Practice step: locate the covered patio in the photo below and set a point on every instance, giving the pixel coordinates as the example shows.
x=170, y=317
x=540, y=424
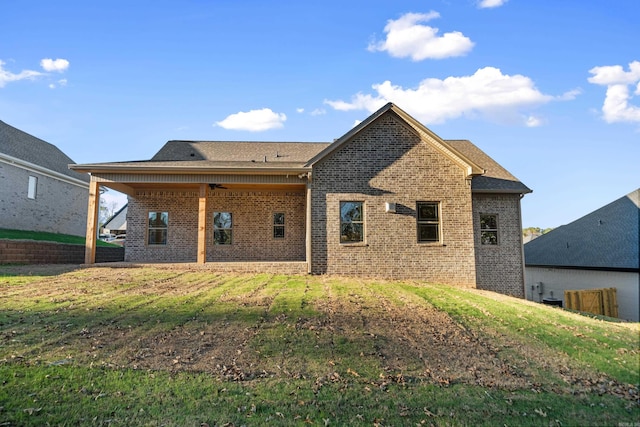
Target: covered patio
x=267, y=202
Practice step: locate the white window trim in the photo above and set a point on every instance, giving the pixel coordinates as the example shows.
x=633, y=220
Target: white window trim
x=32, y=190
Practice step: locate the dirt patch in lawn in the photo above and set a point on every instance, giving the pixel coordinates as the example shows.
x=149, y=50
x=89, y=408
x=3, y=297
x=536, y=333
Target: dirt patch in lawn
x=356, y=335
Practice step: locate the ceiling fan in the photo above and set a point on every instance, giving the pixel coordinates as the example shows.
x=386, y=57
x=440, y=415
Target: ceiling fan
x=214, y=186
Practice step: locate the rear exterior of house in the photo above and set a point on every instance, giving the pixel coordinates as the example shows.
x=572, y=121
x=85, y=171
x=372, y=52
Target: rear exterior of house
x=389, y=163
x=251, y=228
x=389, y=199
x=38, y=192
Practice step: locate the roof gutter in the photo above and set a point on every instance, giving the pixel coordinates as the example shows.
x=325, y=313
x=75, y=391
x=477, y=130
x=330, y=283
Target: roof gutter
x=590, y=268
x=172, y=170
x=503, y=191
x=10, y=160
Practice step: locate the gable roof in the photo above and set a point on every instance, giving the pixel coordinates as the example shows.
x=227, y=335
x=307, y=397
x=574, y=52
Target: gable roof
x=425, y=134
x=607, y=239
x=487, y=175
x=196, y=157
x=21, y=148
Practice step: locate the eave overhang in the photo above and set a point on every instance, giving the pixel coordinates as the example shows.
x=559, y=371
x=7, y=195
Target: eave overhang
x=187, y=170
x=10, y=160
x=524, y=190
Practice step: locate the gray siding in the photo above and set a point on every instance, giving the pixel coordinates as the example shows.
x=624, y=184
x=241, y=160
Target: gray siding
x=59, y=206
x=557, y=280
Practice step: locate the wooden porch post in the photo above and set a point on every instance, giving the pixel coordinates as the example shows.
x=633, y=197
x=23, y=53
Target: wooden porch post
x=308, y=228
x=92, y=223
x=202, y=224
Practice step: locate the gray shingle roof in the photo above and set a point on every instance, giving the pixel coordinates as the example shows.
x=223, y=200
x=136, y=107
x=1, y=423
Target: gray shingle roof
x=21, y=145
x=204, y=156
x=214, y=156
x=225, y=151
x=496, y=178
x=607, y=238
x=118, y=220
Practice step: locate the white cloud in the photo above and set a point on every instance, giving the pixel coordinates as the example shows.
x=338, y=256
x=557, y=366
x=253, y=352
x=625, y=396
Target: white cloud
x=406, y=37
x=533, y=121
x=570, y=95
x=358, y=102
x=318, y=112
x=58, y=65
x=8, y=77
x=487, y=92
x=486, y=4
x=616, y=107
x=61, y=82
x=300, y=110
x=254, y=120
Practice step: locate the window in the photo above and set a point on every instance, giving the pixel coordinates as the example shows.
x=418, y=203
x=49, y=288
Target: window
x=489, y=229
x=278, y=225
x=351, y=222
x=33, y=185
x=222, y=228
x=158, y=226
x=428, y=218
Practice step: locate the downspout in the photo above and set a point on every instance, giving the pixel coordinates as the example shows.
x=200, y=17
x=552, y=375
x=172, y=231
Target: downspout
x=308, y=225
x=524, y=286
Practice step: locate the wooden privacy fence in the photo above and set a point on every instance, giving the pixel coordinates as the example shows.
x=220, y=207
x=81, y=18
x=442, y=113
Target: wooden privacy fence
x=596, y=301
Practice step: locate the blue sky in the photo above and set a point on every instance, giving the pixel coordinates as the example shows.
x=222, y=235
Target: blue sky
x=550, y=89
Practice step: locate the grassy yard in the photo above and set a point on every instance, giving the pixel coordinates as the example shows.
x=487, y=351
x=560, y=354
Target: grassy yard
x=183, y=346
x=6, y=233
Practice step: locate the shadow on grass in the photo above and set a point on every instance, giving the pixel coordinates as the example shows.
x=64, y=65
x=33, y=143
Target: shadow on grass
x=41, y=270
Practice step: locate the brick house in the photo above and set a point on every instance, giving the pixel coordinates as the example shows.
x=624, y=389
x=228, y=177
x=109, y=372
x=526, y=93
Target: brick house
x=38, y=192
x=388, y=199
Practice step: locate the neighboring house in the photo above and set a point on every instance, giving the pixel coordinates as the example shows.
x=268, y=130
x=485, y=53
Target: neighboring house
x=38, y=192
x=388, y=199
x=599, y=250
x=117, y=224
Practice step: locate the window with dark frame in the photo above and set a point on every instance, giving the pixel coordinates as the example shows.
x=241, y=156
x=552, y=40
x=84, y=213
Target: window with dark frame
x=222, y=228
x=278, y=225
x=351, y=222
x=158, y=228
x=428, y=221
x=489, y=229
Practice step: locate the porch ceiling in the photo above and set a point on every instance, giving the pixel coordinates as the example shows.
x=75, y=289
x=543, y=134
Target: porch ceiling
x=131, y=188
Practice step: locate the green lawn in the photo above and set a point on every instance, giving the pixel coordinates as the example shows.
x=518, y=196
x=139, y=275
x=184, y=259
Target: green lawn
x=44, y=236
x=184, y=346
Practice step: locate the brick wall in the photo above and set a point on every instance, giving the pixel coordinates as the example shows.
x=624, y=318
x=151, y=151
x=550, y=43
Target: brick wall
x=388, y=162
x=32, y=252
x=500, y=267
x=59, y=207
x=252, y=226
